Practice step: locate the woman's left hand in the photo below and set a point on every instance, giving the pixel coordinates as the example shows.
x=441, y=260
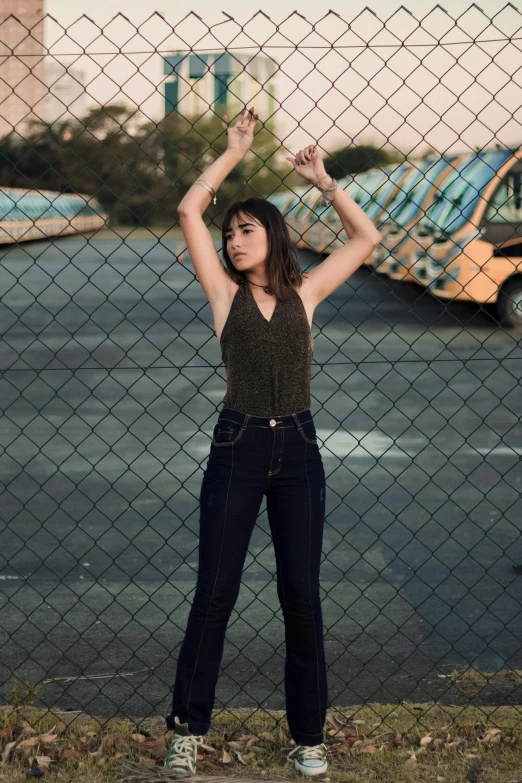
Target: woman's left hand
x=309, y=163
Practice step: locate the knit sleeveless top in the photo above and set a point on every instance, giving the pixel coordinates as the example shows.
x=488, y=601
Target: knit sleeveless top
x=268, y=363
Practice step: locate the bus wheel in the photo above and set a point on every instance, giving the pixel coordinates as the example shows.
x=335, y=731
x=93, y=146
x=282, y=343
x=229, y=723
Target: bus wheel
x=509, y=304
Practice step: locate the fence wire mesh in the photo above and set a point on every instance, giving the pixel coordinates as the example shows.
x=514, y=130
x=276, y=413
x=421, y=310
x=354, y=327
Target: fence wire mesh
x=111, y=376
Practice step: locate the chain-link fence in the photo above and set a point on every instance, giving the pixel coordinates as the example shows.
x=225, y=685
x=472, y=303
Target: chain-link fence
x=111, y=374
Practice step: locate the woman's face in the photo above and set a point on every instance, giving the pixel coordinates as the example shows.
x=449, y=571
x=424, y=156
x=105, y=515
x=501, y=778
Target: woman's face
x=247, y=243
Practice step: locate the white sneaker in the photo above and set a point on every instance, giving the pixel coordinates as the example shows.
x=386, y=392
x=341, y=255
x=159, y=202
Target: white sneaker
x=183, y=749
x=309, y=759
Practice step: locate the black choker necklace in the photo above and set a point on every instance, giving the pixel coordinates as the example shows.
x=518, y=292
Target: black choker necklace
x=265, y=288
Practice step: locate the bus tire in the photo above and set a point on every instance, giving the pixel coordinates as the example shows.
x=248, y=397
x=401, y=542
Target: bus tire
x=509, y=304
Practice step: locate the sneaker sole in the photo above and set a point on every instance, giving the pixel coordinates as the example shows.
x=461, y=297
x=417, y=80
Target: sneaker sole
x=180, y=770
x=310, y=771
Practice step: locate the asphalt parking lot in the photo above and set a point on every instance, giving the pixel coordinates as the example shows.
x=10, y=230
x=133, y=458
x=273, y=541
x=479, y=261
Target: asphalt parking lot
x=111, y=382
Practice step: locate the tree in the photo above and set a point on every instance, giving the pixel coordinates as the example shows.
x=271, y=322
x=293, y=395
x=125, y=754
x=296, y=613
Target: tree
x=137, y=168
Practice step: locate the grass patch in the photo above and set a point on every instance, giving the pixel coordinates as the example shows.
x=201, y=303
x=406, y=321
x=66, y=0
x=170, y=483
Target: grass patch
x=411, y=743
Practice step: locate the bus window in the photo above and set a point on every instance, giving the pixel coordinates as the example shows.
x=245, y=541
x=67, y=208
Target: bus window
x=506, y=204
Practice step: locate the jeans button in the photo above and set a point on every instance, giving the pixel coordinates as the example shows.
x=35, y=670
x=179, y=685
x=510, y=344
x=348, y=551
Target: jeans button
x=272, y=422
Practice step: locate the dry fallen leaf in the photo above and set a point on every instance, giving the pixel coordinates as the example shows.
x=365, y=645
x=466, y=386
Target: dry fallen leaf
x=29, y=743
x=426, y=740
x=44, y=762
x=334, y=721
x=49, y=738
x=208, y=748
x=158, y=752
x=227, y=758
x=361, y=722
x=72, y=753
x=7, y=752
x=491, y=736
x=348, y=743
x=370, y=749
x=138, y=737
x=120, y=739
x=8, y=730
x=153, y=743
x=267, y=736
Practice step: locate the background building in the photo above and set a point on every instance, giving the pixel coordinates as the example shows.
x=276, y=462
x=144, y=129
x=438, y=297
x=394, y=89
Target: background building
x=22, y=73
x=67, y=96
x=221, y=81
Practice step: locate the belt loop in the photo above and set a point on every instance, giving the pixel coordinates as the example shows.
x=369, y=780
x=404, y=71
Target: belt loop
x=296, y=420
x=245, y=421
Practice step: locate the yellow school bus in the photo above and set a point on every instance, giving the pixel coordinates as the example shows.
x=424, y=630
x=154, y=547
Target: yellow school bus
x=452, y=224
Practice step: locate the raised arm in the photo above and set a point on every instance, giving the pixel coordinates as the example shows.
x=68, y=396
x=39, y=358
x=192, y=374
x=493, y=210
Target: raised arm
x=210, y=271
x=363, y=236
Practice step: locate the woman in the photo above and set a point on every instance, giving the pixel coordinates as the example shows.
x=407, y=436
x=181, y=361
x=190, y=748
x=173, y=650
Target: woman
x=264, y=442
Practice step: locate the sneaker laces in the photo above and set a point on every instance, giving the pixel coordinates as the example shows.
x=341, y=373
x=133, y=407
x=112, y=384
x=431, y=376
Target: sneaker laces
x=310, y=751
x=182, y=749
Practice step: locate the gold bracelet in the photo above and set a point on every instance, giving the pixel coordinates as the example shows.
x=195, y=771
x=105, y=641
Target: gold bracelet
x=207, y=186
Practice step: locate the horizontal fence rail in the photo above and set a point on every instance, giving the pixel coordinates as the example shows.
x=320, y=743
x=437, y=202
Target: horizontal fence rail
x=111, y=375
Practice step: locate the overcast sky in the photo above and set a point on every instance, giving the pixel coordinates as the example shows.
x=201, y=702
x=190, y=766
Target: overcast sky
x=458, y=95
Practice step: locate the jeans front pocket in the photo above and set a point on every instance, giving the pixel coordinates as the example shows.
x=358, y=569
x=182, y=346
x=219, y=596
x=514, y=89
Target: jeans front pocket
x=307, y=431
x=226, y=433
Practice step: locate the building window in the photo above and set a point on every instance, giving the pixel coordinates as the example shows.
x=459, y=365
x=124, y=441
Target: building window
x=171, y=96
x=221, y=82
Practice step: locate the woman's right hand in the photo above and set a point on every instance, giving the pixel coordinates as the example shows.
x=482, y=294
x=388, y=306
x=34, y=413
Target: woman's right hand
x=241, y=135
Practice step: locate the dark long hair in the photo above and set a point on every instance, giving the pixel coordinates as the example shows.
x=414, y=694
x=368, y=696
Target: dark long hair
x=282, y=267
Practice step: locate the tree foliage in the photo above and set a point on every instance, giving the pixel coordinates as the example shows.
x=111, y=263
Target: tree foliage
x=140, y=170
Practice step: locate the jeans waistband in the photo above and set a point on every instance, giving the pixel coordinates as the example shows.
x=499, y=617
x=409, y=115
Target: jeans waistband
x=246, y=419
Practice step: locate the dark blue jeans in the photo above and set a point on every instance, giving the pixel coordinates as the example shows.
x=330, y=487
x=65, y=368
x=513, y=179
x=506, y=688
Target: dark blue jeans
x=252, y=456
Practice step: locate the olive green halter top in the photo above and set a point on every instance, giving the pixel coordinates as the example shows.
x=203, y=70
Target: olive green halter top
x=268, y=363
